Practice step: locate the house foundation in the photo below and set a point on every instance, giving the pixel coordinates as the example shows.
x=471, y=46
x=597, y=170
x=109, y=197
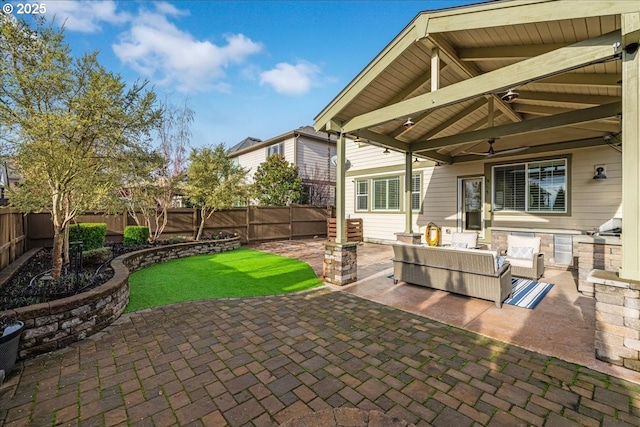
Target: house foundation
x=617, y=336
x=340, y=265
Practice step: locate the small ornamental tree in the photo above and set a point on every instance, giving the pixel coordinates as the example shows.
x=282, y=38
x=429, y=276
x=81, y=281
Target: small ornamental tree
x=65, y=122
x=214, y=182
x=154, y=179
x=276, y=182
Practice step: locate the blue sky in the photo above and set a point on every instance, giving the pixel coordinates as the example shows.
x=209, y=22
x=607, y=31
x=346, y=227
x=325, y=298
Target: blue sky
x=247, y=68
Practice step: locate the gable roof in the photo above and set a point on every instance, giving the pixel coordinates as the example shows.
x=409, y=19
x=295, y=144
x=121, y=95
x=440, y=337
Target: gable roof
x=251, y=144
x=448, y=70
x=245, y=143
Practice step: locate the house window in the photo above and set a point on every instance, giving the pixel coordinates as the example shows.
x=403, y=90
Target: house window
x=362, y=195
x=415, y=192
x=275, y=149
x=386, y=194
x=531, y=187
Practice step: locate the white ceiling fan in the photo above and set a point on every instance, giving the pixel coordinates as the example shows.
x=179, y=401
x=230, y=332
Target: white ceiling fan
x=492, y=153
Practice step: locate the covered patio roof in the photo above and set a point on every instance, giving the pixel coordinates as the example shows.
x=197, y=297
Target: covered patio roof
x=574, y=66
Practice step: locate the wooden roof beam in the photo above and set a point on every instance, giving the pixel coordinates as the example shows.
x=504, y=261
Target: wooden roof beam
x=561, y=60
x=466, y=71
x=566, y=99
x=545, y=148
x=384, y=140
x=512, y=13
x=583, y=79
x=506, y=53
x=454, y=119
x=533, y=125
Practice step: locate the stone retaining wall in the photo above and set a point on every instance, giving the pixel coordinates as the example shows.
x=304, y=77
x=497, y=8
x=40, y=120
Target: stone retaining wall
x=57, y=324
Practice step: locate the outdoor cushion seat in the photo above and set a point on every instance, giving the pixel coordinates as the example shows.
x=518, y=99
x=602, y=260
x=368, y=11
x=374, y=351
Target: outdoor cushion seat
x=523, y=253
x=464, y=240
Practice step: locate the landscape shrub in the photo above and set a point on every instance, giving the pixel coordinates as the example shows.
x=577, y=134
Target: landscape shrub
x=91, y=234
x=96, y=256
x=135, y=235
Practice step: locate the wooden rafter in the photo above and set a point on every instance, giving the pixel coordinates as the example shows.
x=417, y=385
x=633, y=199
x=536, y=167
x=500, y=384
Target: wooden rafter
x=510, y=53
x=561, y=60
x=533, y=125
x=466, y=71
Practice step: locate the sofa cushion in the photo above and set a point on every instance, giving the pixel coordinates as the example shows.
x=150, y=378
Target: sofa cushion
x=522, y=252
x=471, y=239
x=459, y=245
x=520, y=262
x=522, y=242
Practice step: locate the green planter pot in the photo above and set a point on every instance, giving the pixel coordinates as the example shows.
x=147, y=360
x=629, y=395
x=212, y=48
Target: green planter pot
x=9, y=346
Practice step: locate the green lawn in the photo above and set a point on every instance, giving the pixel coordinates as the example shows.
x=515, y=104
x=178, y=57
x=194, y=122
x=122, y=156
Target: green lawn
x=239, y=273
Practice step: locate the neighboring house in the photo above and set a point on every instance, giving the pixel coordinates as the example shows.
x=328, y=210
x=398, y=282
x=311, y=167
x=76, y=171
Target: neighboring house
x=515, y=110
x=311, y=151
x=8, y=178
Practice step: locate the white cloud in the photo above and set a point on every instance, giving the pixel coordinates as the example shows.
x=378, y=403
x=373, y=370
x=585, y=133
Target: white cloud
x=86, y=16
x=291, y=79
x=161, y=51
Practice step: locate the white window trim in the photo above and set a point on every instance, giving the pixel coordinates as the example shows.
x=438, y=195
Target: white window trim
x=277, y=148
x=418, y=191
x=367, y=194
x=373, y=194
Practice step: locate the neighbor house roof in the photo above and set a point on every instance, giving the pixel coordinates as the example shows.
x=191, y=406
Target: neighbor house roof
x=245, y=143
x=252, y=144
x=449, y=70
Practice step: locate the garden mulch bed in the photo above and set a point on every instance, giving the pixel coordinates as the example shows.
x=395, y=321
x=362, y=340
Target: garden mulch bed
x=31, y=284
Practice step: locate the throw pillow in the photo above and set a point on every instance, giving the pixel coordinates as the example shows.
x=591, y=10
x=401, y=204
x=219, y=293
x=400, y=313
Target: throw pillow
x=500, y=262
x=461, y=245
x=524, y=253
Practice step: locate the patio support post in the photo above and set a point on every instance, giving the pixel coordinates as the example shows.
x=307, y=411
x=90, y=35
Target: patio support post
x=408, y=236
x=340, y=263
x=630, y=147
x=340, y=194
x=408, y=174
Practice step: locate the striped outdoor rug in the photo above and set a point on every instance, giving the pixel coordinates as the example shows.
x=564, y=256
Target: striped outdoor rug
x=527, y=293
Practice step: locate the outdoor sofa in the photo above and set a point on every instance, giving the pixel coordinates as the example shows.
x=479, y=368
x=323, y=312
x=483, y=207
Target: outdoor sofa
x=470, y=272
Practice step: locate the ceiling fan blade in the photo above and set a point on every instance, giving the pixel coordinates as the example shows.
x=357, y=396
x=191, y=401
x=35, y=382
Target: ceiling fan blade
x=510, y=151
x=474, y=154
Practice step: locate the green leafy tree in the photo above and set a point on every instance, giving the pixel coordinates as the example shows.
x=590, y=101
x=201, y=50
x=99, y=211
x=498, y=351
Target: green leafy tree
x=66, y=122
x=214, y=182
x=276, y=182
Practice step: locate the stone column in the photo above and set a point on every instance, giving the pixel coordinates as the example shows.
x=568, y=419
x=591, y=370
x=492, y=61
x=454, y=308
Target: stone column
x=340, y=266
x=617, y=339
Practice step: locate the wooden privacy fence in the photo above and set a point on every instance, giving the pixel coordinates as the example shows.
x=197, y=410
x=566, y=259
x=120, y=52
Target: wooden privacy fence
x=13, y=235
x=252, y=223
x=353, y=229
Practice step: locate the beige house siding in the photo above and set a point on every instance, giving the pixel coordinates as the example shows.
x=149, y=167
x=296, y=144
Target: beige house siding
x=313, y=157
x=251, y=161
x=592, y=202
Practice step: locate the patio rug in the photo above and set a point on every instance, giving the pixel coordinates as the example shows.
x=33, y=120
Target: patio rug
x=527, y=293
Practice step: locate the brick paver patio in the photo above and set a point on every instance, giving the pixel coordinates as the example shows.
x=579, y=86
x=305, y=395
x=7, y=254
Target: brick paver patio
x=265, y=361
